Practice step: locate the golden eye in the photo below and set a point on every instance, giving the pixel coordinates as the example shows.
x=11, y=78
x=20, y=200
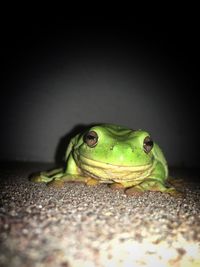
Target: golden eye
x=91, y=138
x=147, y=144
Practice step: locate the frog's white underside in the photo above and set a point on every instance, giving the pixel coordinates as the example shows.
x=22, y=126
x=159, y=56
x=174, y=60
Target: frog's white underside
x=106, y=172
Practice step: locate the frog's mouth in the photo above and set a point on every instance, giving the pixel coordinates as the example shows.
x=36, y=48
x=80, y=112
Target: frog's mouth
x=106, y=172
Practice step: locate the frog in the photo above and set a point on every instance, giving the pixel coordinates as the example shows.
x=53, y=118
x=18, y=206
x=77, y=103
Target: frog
x=115, y=155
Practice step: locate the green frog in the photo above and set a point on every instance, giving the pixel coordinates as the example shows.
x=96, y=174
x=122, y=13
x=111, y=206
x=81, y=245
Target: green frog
x=115, y=155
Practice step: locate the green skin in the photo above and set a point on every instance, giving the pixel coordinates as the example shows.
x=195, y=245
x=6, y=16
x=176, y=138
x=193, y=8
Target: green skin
x=118, y=158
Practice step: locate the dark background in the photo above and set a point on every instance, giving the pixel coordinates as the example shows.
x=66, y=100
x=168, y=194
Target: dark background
x=58, y=78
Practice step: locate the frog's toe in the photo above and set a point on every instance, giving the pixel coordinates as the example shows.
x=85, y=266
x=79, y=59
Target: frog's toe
x=116, y=186
x=56, y=183
x=37, y=178
x=134, y=191
x=91, y=181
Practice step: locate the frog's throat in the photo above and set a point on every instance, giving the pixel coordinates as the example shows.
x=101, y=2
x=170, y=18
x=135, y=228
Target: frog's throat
x=106, y=172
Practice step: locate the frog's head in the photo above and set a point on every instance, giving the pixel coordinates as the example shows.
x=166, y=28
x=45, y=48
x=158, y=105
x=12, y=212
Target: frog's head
x=109, y=151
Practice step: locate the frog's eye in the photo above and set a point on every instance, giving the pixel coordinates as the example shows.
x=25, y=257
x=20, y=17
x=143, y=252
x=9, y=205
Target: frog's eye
x=147, y=144
x=91, y=138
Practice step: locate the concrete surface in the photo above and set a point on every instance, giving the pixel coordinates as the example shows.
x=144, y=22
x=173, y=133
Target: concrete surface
x=79, y=226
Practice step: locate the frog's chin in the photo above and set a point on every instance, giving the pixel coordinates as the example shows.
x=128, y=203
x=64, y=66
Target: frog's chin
x=106, y=172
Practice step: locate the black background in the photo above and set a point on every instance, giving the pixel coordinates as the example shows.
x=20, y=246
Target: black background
x=58, y=78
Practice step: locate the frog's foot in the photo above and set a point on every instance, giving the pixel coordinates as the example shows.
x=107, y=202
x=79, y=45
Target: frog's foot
x=167, y=188
x=46, y=176
x=146, y=185
x=116, y=186
x=59, y=182
x=39, y=178
x=56, y=183
x=134, y=191
x=53, y=172
x=91, y=181
x=68, y=178
x=152, y=185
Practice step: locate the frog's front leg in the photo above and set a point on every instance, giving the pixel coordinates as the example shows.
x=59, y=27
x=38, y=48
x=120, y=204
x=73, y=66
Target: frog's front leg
x=46, y=176
x=72, y=174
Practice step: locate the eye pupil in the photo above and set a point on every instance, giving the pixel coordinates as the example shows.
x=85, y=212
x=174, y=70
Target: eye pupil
x=148, y=144
x=91, y=138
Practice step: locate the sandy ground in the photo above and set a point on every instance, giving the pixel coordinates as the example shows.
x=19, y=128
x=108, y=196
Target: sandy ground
x=95, y=226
